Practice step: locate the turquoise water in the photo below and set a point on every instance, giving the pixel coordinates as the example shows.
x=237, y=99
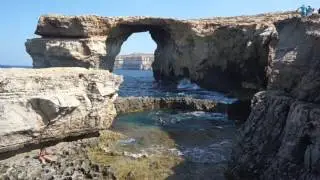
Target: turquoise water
x=142, y=83
x=202, y=139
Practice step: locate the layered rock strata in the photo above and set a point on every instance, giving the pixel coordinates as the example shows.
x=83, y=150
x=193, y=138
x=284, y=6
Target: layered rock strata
x=225, y=54
x=39, y=105
x=281, y=137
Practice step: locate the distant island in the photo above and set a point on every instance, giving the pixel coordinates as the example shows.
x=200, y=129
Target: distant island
x=14, y=66
x=134, y=61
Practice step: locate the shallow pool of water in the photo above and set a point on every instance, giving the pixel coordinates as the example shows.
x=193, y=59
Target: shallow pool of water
x=203, y=140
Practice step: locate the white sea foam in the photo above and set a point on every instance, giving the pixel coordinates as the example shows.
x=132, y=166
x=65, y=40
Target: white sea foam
x=127, y=141
x=135, y=155
x=187, y=85
x=214, y=153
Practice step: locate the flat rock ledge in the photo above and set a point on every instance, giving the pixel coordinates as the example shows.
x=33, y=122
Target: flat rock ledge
x=41, y=105
x=136, y=104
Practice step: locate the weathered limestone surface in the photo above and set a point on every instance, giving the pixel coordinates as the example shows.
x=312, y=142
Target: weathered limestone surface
x=281, y=137
x=39, y=105
x=226, y=54
x=48, y=52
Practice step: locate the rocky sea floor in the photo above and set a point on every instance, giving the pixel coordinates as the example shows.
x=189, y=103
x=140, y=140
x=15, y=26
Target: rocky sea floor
x=163, y=144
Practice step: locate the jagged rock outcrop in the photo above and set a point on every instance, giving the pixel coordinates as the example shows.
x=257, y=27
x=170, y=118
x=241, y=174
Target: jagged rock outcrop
x=39, y=105
x=225, y=54
x=281, y=137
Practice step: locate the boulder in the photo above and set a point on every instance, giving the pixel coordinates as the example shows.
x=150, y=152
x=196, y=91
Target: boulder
x=39, y=105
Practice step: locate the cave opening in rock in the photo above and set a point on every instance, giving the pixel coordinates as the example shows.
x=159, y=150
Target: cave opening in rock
x=122, y=34
x=135, y=55
x=122, y=41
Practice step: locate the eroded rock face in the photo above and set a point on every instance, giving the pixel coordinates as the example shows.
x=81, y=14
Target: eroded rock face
x=39, y=105
x=47, y=52
x=281, y=137
x=225, y=54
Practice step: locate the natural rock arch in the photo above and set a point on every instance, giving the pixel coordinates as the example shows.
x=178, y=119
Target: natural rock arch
x=224, y=54
x=119, y=34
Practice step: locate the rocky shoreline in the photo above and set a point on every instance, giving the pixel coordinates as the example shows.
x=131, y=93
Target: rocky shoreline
x=276, y=54
x=86, y=158
x=71, y=162
x=75, y=158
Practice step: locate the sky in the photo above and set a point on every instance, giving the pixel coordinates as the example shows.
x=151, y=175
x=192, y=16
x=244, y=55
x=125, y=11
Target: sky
x=19, y=17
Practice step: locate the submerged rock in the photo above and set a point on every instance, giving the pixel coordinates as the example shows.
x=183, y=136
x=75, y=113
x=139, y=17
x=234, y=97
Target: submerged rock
x=134, y=104
x=237, y=111
x=39, y=105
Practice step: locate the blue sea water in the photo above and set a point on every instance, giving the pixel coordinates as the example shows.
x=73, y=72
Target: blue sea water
x=142, y=83
x=203, y=139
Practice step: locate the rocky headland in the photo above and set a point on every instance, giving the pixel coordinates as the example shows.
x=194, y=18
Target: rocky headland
x=277, y=54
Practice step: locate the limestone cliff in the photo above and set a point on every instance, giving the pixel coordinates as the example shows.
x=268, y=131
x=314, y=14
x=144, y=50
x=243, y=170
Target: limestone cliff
x=225, y=54
x=281, y=137
x=39, y=105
